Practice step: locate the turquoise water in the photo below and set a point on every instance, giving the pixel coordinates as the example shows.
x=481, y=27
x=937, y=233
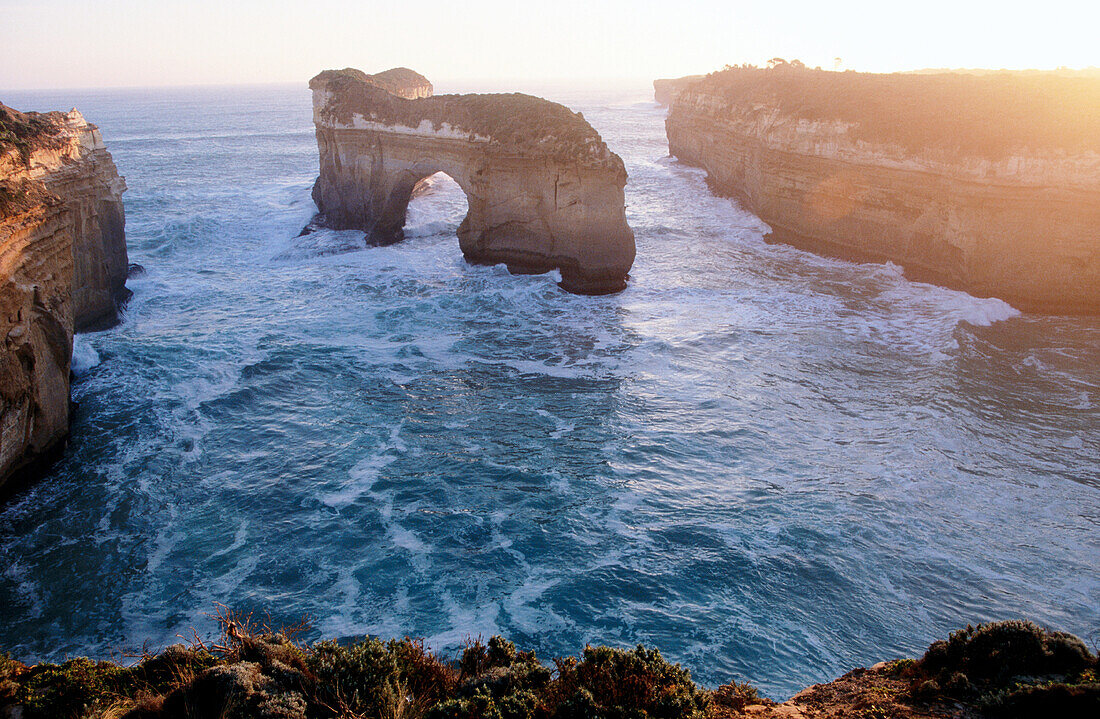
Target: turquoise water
x=770, y=465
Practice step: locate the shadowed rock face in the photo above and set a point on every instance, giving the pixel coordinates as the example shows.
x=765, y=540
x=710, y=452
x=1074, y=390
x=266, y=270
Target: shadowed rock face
x=544, y=191
x=985, y=184
x=62, y=268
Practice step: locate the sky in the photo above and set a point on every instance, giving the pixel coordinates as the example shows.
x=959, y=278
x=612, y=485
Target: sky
x=48, y=44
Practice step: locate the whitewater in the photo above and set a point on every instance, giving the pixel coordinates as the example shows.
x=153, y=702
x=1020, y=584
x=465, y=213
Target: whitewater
x=769, y=464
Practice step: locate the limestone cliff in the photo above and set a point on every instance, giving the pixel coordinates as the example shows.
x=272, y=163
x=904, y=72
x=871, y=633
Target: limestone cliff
x=666, y=90
x=62, y=268
x=985, y=184
x=544, y=192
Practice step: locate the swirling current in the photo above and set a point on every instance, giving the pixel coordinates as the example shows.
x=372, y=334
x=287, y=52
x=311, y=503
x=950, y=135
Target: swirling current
x=770, y=465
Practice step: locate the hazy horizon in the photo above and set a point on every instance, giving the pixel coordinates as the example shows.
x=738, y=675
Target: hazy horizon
x=66, y=45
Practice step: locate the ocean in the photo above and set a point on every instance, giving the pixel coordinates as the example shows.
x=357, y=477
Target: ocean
x=770, y=465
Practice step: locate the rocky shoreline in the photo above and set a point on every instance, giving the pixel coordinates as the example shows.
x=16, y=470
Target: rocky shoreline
x=1003, y=669
x=986, y=184
x=63, y=266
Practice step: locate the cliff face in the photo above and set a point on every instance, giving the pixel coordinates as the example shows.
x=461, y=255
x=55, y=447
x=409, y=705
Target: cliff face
x=666, y=90
x=62, y=268
x=998, y=212
x=544, y=192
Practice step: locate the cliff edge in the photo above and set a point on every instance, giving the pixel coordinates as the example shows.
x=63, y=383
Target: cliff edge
x=666, y=90
x=988, y=184
x=62, y=269
x=544, y=192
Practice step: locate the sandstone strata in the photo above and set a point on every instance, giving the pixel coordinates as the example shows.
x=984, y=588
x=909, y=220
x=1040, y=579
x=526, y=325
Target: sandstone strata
x=985, y=184
x=62, y=268
x=543, y=189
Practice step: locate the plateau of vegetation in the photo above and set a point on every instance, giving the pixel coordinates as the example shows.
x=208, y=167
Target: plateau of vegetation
x=989, y=115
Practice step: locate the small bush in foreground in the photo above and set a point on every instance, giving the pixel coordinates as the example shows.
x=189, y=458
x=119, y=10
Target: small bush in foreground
x=613, y=684
x=1011, y=668
x=736, y=697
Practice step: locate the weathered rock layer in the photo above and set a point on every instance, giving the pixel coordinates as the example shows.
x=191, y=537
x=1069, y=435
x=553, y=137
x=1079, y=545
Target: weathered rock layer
x=941, y=175
x=543, y=190
x=62, y=268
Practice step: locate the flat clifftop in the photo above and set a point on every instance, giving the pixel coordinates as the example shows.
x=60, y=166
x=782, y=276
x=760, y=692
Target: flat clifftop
x=21, y=133
x=991, y=116
x=514, y=122
x=988, y=184
x=1005, y=669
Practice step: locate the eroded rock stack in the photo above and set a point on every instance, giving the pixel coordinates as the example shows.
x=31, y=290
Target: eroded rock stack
x=988, y=184
x=543, y=189
x=62, y=269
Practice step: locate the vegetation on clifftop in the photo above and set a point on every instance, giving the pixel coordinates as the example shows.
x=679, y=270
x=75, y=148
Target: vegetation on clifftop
x=24, y=131
x=523, y=124
x=1003, y=669
x=989, y=115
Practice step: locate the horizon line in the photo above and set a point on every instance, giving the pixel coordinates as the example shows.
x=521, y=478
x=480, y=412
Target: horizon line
x=587, y=80
x=305, y=83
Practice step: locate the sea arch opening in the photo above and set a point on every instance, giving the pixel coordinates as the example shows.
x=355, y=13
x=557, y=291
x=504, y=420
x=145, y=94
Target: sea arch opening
x=428, y=201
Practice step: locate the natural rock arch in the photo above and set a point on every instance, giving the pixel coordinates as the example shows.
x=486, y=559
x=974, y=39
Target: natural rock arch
x=543, y=190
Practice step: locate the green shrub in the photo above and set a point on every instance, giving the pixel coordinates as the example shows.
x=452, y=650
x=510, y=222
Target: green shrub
x=171, y=668
x=736, y=696
x=501, y=652
x=483, y=705
x=1011, y=668
x=425, y=677
x=901, y=667
x=474, y=660
x=614, y=684
x=927, y=689
x=997, y=652
x=1043, y=701
x=361, y=678
x=67, y=690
